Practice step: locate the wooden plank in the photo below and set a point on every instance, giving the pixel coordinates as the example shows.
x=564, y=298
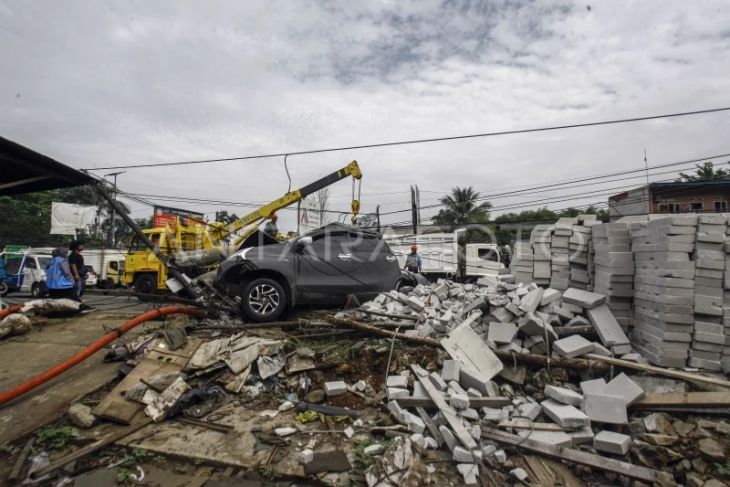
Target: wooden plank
x=89, y=449
x=674, y=374
x=454, y=421
x=431, y=426
x=474, y=402
x=549, y=473
x=527, y=425
x=575, y=456
x=684, y=399
x=159, y=360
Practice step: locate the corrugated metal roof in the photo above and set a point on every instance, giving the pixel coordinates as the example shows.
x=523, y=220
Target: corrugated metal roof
x=23, y=170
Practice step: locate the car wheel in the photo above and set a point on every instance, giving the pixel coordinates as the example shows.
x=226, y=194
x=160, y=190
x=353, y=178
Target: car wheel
x=4, y=289
x=36, y=290
x=263, y=299
x=145, y=284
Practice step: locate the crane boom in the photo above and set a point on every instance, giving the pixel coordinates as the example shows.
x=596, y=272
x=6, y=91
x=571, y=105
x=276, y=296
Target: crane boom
x=218, y=231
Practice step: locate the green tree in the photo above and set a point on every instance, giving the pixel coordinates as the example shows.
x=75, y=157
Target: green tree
x=26, y=219
x=705, y=172
x=462, y=206
x=528, y=216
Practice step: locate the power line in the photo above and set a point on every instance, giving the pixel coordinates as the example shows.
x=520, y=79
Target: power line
x=420, y=141
x=561, y=183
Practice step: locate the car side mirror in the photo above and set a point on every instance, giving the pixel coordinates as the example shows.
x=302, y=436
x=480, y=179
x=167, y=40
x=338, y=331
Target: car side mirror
x=303, y=242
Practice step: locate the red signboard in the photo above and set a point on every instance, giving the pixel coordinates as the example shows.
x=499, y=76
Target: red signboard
x=164, y=215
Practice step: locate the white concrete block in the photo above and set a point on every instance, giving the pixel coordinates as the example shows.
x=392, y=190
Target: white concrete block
x=573, y=346
x=565, y=415
x=611, y=442
x=563, y=395
x=335, y=388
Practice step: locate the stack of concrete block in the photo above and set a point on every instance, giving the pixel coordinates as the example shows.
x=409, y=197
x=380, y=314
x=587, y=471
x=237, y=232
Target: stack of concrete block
x=613, y=273
x=541, y=241
x=581, y=272
x=560, y=253
x=664, y=288
x=521, y=263
x=708, y=337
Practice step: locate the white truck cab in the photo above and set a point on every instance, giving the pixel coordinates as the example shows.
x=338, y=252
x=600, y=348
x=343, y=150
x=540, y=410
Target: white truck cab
x=441, y=256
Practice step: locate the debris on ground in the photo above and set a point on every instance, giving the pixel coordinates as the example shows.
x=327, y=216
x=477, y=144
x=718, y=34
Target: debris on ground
x=485, y=382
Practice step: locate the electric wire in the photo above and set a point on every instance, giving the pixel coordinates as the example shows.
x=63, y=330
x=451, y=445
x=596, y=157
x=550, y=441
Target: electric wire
x=421, y=141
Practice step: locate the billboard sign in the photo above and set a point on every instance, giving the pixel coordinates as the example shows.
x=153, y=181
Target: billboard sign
x=164, y=215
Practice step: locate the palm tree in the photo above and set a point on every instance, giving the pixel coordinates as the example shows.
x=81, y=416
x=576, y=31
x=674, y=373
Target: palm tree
x=706, y=172
x=462, y=206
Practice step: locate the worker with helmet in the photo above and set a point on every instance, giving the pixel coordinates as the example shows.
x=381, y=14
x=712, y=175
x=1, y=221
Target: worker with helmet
x=270, y=228
x=413, y=260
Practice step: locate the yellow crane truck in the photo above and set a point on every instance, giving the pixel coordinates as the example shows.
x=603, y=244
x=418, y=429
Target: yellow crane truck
x=145, y=273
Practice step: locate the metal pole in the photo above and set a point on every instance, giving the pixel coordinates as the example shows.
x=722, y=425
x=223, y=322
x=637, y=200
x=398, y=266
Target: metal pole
x=377, y=215
x=112, y=236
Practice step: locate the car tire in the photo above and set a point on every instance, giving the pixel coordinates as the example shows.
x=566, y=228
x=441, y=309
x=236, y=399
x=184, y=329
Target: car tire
x=4, y=289
x=263, y=299
x=37, y=290
x=145, y=284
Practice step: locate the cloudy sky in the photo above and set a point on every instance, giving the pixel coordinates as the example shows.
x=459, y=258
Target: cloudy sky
x=106, y=83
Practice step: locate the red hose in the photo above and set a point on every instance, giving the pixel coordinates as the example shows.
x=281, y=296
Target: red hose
x=10, y=310
x=34, y=382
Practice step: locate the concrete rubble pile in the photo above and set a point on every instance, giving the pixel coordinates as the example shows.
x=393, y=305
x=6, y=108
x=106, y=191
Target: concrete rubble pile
x=614, y=269
x=506, y=316
x=567, y=416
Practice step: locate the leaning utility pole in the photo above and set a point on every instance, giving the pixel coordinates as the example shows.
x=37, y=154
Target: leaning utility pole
x=146, y=241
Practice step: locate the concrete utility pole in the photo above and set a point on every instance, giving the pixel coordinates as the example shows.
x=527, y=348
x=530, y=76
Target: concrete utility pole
x=414, y=211
x=112, y=238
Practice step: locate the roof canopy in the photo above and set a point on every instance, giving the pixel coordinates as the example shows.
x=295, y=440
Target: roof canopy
x=25, y=171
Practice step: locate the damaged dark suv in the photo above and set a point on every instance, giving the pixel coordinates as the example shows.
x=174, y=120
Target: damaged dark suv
x=321, y=268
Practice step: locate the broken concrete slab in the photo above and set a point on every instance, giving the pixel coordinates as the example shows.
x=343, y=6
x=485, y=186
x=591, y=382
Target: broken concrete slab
x=531, y=300
x=468, y=348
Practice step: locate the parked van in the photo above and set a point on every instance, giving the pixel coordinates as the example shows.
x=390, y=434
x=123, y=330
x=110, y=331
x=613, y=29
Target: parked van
x=26, y=272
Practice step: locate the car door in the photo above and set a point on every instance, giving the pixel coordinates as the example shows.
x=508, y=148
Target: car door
x=323, y=269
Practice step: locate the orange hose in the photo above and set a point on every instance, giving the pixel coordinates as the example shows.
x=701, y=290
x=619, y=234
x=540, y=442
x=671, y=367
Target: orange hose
x=10, y=310
x=49, y=374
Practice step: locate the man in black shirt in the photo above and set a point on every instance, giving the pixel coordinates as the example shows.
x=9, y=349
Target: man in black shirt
x=76, y=263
